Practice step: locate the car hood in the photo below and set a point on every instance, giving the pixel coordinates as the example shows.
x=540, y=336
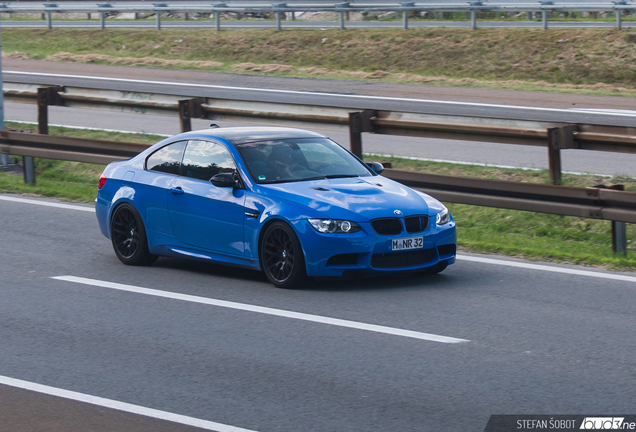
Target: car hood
x=357, y=199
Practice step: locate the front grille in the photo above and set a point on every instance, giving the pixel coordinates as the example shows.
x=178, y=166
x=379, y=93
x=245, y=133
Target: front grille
x=343, y=259
x=402, y=259
x=415, y=224
x=387, y=226
x=446, y=249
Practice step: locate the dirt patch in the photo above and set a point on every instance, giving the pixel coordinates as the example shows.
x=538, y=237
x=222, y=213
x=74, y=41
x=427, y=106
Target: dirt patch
x=15, y=55
x=143, y=61
x=265, y=68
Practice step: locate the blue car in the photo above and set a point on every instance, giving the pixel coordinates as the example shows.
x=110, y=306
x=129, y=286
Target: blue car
x=289, y=202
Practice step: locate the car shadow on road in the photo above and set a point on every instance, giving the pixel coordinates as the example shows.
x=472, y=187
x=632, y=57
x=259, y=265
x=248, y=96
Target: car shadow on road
x=400, y=282
x=358, y=282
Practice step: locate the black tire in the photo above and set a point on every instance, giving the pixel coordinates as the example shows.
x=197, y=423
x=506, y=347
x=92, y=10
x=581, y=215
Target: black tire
x=437, y=268
x=282, y=256
x=128, y=235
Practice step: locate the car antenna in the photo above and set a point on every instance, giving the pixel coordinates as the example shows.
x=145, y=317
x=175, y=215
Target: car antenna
x=214, y=126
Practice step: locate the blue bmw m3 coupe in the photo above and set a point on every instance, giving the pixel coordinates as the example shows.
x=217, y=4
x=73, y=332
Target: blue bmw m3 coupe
x=289, y=202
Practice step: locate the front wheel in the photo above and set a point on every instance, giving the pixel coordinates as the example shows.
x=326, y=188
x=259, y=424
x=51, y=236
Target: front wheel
x=128, y=235
x=282, y=256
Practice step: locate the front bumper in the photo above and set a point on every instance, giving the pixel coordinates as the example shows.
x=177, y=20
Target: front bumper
x=328, y=255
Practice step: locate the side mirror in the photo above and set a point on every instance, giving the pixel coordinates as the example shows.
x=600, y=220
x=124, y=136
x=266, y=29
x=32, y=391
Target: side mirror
x=376, y=166
x=229, y=179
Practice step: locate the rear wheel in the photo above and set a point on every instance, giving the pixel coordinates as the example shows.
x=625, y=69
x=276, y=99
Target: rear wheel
x=282, y=256
x=128, y=235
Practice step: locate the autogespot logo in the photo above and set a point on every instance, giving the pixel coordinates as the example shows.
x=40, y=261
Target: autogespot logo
x=604, y=423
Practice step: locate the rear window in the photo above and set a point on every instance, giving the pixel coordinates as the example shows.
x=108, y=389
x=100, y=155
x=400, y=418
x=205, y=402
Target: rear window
x=167, y=159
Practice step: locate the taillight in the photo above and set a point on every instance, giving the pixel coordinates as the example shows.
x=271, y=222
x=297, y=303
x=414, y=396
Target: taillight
x=102, y=182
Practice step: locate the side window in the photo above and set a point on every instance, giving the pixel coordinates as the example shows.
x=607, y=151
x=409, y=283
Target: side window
x=167, y=159
x=203, y=160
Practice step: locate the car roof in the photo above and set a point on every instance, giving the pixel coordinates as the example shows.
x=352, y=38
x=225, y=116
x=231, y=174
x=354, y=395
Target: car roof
x=242, y=135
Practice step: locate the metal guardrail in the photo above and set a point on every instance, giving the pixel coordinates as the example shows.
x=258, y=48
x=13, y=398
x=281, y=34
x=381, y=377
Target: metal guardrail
x=342, y=8
x=619, y=207
x=552, y=135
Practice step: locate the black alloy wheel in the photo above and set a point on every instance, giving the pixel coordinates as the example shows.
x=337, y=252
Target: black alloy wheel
x=282, y=257
x=128, y=236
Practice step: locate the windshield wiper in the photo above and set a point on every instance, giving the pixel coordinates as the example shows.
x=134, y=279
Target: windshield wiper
x=333, y=176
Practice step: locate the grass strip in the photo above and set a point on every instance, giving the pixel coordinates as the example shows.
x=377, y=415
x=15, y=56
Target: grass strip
x=534, y=236
x=592, y=61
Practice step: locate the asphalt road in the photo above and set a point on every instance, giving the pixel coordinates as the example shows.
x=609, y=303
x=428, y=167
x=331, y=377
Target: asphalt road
x=538, y=341
x=524, y=105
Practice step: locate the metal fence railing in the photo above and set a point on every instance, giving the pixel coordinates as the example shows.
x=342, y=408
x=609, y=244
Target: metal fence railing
x=342, y=9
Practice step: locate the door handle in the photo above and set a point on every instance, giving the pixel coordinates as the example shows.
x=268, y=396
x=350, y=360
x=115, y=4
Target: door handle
x=177, y=190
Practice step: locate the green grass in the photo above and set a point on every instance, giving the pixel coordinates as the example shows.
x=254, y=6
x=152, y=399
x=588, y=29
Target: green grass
x=529, y=235
x=594, y=61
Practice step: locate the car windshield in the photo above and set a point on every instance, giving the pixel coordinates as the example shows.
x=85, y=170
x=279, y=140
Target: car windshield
x=299, y=159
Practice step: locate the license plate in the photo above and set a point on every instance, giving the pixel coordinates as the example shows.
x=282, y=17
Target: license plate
x=406, y=243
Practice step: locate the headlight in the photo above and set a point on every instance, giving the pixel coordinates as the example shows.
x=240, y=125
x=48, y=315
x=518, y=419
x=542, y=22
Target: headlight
x=334, y=226
x=443, y=217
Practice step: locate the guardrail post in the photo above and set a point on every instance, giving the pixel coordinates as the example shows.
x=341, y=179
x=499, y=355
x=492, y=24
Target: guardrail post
x=188, y=109
x=49, y=24
x=102, y=21
x=405, y=15
x=278, y=6
x=217, y=21
x=619, y=24
x=619, y=237
x=619, y=230
x=187, y=16
x=341, y=14
x=184, y=116
x=559, y=138
x=554, y=156
x=29, y=169
x=158, y=20
x=88, y=15
x=46, y=96
x=544, y=13
x=359, y=122
x=355, y=134
x=473, y=14
x=545, y=19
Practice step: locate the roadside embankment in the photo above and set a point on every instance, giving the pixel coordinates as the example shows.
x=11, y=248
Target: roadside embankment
x=596, y=61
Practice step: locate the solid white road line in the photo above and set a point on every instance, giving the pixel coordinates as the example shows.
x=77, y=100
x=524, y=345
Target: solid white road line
x=546, y=268
x=48, y=204
x=120, y=406
x=296, y=92
x=263, y=310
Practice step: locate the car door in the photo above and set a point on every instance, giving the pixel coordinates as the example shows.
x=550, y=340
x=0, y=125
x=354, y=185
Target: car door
x=201, y=214
x=151, y=186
